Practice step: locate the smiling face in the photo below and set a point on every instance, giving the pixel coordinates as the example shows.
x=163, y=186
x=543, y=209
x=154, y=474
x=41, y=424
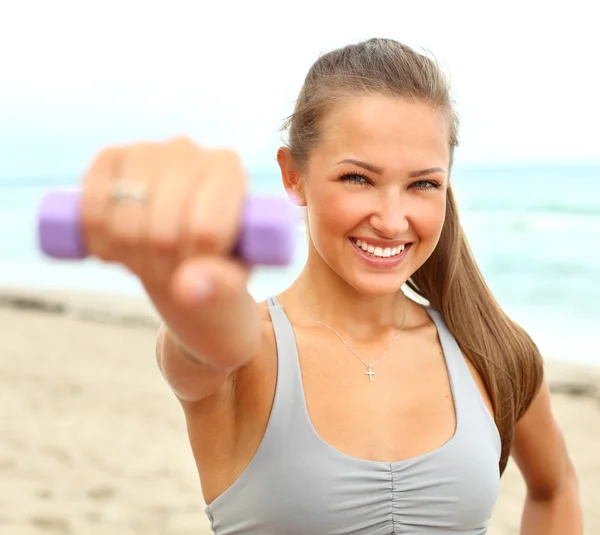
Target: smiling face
x=375, y=191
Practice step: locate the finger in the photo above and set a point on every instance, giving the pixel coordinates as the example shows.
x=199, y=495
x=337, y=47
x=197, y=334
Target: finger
x=128, y=218
x=172, y=196
x=95, y=201
x=215, y=209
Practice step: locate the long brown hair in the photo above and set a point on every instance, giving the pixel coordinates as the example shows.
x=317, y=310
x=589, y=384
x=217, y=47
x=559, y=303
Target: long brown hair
x=504, y=355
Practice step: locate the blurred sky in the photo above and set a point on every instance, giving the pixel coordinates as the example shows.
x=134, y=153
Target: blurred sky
x=77, y=75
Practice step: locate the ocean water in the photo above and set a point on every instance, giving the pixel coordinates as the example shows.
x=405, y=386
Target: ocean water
x=535, y=232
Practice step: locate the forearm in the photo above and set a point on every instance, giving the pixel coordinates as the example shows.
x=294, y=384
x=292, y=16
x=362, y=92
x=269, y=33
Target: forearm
x=559, y=514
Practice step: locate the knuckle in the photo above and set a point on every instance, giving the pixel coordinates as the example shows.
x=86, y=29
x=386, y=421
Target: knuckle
x=228, y=158
x=163, y=244
x=183, y=145
x=140, y=155
x=162, y=267
x=125, y=239
x=207, y=241
x=230, y=168
x=181, y=158
x=107, y=156
x=181, y=141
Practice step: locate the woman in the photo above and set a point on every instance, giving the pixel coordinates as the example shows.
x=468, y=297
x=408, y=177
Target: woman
x=341, y=405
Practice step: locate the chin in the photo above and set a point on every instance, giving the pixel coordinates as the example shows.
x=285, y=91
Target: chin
x=376, y=284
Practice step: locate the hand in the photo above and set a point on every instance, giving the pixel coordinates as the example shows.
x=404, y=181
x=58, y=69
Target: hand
x=178, y=234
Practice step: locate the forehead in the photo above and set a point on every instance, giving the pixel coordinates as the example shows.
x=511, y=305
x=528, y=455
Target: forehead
x=387, y=131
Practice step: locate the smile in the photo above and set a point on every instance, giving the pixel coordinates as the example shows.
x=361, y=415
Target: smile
x=379, y=251
x=380, y=256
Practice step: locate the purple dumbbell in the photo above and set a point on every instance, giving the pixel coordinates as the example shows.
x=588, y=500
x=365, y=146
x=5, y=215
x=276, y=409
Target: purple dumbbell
x=266, y=234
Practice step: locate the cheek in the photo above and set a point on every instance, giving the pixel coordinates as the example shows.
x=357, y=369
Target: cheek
x=429, y=220
x=425, y=215
x=334, y=212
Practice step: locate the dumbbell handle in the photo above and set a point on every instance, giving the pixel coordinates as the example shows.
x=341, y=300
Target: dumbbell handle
x=266, y=235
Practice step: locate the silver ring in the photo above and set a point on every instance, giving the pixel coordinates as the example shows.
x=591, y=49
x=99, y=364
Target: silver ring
x=128, y=191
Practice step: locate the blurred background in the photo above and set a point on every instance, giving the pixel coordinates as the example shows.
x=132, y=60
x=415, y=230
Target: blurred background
x=77, y=76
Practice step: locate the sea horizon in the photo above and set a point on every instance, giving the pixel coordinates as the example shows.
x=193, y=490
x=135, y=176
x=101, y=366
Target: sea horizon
x=532, y=229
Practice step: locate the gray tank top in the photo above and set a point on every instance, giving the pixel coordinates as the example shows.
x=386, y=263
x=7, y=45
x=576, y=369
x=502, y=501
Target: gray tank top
x=297, y=484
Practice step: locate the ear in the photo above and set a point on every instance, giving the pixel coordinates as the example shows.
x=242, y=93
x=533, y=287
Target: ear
x=292, y=178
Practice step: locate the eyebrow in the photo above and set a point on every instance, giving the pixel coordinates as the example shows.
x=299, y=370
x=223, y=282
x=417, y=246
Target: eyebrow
x=379, y=170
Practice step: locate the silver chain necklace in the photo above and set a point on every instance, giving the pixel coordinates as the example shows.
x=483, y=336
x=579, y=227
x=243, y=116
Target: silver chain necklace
x=369, y=371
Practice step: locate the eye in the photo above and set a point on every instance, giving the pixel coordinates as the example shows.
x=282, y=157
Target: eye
x=355, y=178
x=426, y=185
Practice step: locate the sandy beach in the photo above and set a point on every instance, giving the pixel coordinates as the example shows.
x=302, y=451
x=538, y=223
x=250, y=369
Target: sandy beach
x=93, y=442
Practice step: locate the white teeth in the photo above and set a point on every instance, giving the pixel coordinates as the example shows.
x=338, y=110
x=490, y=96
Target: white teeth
x=380, y=251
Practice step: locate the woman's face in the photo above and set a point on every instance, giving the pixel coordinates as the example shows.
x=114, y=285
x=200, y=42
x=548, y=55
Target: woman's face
x=375, y=191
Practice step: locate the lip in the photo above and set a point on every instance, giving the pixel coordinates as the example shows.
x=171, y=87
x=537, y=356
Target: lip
x=381, y=262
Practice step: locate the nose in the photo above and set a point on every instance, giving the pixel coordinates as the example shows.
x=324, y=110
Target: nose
x=390, y=220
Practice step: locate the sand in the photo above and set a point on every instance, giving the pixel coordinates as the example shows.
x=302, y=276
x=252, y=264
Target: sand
x=92, y=442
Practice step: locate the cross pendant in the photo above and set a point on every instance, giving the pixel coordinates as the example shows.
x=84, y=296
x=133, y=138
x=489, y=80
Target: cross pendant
x=370, y=374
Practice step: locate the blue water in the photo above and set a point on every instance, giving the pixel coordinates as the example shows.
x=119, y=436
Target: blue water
x=535, y=232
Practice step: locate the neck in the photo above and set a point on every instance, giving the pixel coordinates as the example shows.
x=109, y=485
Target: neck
x=334, y=302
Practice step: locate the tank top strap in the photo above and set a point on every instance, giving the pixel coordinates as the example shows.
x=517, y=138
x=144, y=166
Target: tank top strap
x=287, y=422
x=469, y=405
x=458, y=371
